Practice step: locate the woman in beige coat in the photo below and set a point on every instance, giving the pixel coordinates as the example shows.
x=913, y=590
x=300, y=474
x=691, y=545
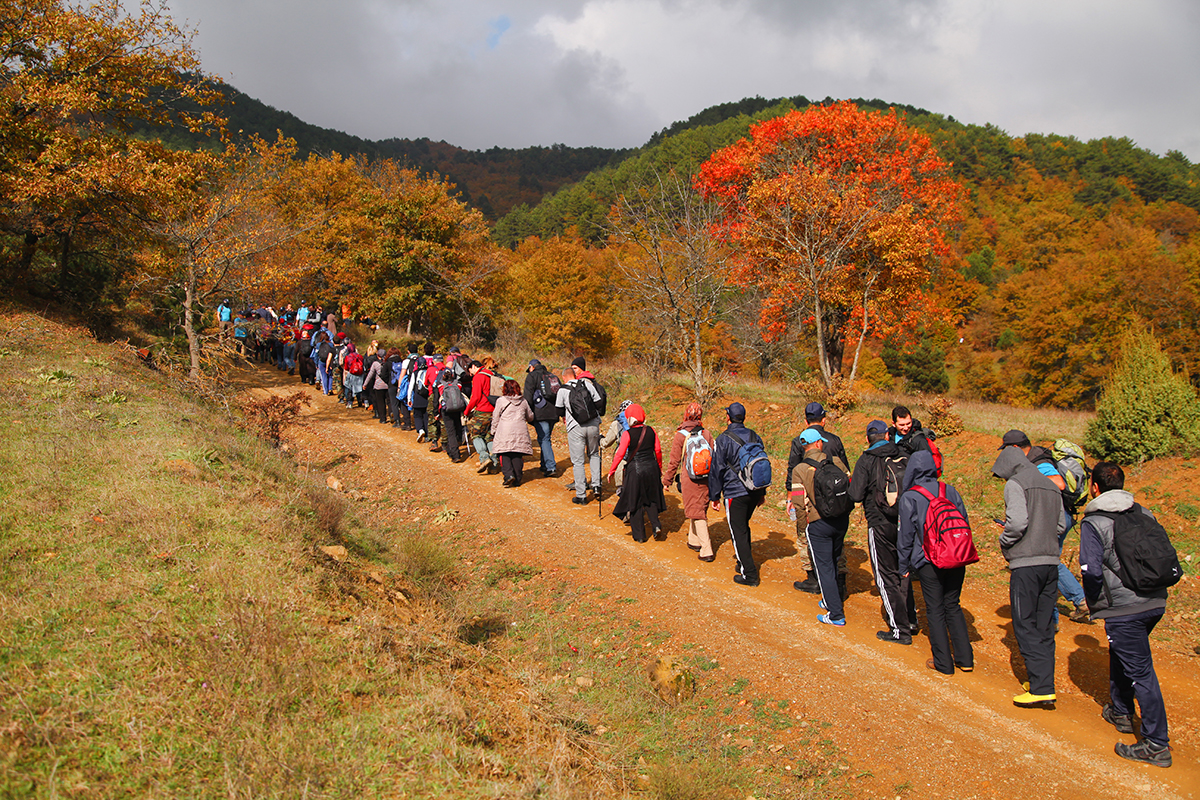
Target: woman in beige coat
x=510, y=432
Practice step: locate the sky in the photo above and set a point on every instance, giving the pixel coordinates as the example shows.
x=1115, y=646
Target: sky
x=610, y=73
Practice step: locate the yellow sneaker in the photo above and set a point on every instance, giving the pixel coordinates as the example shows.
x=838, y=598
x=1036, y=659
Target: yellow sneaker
x=1028, y=700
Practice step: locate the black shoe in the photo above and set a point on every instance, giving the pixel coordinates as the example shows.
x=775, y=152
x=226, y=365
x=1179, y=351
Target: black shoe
x=597, y=492
x=742, y=581
x=810, y=584
x=1145, y=751
x=579, y=501
x=899, y=637
x=1122, y=722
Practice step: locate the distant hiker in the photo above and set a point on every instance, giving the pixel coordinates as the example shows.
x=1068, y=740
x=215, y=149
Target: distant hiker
x=691, y=463
x=1129, y=615
x=509, y=432
x=737, y=474
x=821, y=496
x=449, y=395
x=949, y=639
x=375, y=384
x=1042, y=458
x=541, y=393
x=577, y=404
x=397, y=407
x=354, y=378
x=815, y=418
x=612, y=437
x=642, y=489
x=877, y=485
x=418, y=391
x=302, y=314
x=324, y=352
x=224, y=319
x=479, y=413
x=1033, y=519
x=304, y=356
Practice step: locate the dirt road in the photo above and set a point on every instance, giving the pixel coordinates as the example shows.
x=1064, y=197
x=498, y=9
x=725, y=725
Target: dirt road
x=938, y=736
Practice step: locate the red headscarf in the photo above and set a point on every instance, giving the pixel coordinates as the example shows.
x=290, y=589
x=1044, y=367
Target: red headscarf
x=635, y=415
x=693, y=412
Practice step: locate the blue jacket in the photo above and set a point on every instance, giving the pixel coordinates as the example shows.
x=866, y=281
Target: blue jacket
x=723, y=474
x=910, y=545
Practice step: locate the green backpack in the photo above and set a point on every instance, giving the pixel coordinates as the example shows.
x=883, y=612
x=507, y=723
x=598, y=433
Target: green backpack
x=1068, y=459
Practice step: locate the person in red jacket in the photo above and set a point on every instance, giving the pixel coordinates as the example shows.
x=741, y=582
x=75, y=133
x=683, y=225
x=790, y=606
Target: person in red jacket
x=642, y=489
x=479, y=414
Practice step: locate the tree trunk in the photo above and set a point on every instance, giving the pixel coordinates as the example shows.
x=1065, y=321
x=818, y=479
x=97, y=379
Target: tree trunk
x=25, y=264
x=189, y=328
x=64, y=258
x=822, y=354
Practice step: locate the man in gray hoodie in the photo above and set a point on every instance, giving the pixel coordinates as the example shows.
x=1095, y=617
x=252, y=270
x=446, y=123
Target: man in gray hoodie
x=1128, y=616
x=1033, y=519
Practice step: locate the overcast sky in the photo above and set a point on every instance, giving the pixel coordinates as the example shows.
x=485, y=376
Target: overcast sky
x=480, y=73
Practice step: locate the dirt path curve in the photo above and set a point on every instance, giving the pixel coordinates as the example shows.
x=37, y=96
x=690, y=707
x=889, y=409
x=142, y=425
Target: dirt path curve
x=953, y=737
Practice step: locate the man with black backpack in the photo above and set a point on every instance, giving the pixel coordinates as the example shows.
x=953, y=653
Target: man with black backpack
x=579, y=403
x=823, y=490
x=541, y=393
x=814, y=418
x=877, y=483
x=1128, y=591
x=741, y=472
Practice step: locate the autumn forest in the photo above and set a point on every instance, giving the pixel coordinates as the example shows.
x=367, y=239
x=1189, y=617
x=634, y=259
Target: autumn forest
x=846, y=242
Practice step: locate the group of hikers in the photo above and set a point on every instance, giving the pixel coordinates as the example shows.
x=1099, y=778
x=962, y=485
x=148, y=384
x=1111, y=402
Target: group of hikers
x=918, y=527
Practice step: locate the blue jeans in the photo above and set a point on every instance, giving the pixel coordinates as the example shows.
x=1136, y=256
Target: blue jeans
x=1068, y=587
x=544, y=429
x=324, y=378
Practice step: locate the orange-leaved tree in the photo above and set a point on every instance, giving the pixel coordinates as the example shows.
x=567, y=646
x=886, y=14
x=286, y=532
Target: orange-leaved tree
x=835, y=211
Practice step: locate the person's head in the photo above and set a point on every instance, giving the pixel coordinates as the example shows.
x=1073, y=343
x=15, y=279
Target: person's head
x=429, y=348
x=736, y=412
x=474, y=367
x=511, y=388
x=412, y=348
x=487, y=362
x=568, y=375
x=533, y=364
x=876, y=431
x=902, y=420
x=350, y=348
x=580, y=364
x=693, y=413
x=814, y=413
x=812, y=440
x=1018, y=439
x=635, y=414
x=393, y=352
x=454, y=351
x=1106, y=476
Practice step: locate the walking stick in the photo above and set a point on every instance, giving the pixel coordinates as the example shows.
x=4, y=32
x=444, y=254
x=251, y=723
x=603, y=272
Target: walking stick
x=599, y=486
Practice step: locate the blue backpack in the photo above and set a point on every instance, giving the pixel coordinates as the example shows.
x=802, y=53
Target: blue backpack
x=754, y=468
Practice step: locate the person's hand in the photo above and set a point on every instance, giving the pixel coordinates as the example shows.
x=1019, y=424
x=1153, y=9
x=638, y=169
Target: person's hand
x=716, y=505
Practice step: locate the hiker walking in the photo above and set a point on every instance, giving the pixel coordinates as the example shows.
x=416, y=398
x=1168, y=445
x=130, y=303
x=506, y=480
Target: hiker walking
x=1033, y=519
x=583, y=430
x=479, y=413
x=815, y=419
x=877, y=483
x=611, y=437
x=821, y=496
x=1129, y=613
x=642, y=486
x=941, y=580
x=741, y=473
x=541, y=392
x=509, y=432
x=690, y=466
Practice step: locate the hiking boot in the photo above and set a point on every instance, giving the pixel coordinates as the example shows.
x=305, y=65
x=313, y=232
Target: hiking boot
x=597, y=492
x=579, y=501
x=484, y=466
x=827, y=620
x=1029, y=700
x=1122, y=722
x=896, y=637
x=809, y=584
x=420, y=437
x=1145, y=751
x=493, y=468
x=743, y=581
x=1081, y=614
x=436, y=447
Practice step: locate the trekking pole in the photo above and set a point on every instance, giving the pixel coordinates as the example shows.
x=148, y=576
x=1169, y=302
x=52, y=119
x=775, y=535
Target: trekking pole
x=600, y=488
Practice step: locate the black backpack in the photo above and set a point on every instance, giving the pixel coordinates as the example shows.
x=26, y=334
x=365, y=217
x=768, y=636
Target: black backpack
x=831, y=489
x=582, y=405
x=889, y=484
x=546, y=390
x=1148, y=560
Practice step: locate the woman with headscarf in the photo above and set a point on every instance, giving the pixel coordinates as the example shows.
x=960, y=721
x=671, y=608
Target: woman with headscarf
x=694, y=490
x=642, y=487
x=509, y=432
x=612, y=436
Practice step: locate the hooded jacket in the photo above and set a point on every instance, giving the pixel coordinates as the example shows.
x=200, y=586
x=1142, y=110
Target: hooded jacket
x=1098, y=563
x=1033, y=512
x=863, y=488
x=910, y=542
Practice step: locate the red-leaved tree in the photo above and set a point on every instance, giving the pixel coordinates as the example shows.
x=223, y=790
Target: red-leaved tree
x=838, y=214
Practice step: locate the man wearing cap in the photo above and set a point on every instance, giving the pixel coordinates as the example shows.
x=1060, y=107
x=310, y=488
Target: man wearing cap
x=740, y=502
x=814, y=416
x=541, y=395
x=869, y=486
x=826, y=535
x=1033, y=519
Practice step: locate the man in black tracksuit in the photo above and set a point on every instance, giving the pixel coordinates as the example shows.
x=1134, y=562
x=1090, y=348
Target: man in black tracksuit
x=814, y=416
x=740, y=502
x=1128, y=616
x=1033, y=519
x=895, y=591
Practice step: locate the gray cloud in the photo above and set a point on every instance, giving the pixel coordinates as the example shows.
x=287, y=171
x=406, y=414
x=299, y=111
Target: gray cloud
x=479, y=73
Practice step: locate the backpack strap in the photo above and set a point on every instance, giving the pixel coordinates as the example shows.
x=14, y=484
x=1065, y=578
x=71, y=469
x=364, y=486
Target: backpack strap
x=925, y=492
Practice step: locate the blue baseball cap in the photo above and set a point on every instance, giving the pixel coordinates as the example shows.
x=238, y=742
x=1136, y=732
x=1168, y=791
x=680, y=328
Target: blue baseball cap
x=876, y=427
x=811, y=435
x=736, y=411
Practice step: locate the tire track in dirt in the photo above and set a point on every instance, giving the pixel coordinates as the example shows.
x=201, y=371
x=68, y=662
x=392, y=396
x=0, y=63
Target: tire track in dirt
x=946, y=736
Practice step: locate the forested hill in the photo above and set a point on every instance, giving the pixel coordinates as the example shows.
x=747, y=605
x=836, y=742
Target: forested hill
x=494, y=181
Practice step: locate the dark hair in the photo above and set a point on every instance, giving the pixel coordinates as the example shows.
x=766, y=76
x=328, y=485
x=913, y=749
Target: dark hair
x=412, y=347
x=511, y=388
x=900, y=411
x=429, y=348
x=476, y=364
x=810, y=418
x=872, y=438
x=393, y=352
x=1108, y=476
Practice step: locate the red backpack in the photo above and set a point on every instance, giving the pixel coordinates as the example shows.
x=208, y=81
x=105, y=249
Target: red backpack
x=947, y=538
x=354, y=364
